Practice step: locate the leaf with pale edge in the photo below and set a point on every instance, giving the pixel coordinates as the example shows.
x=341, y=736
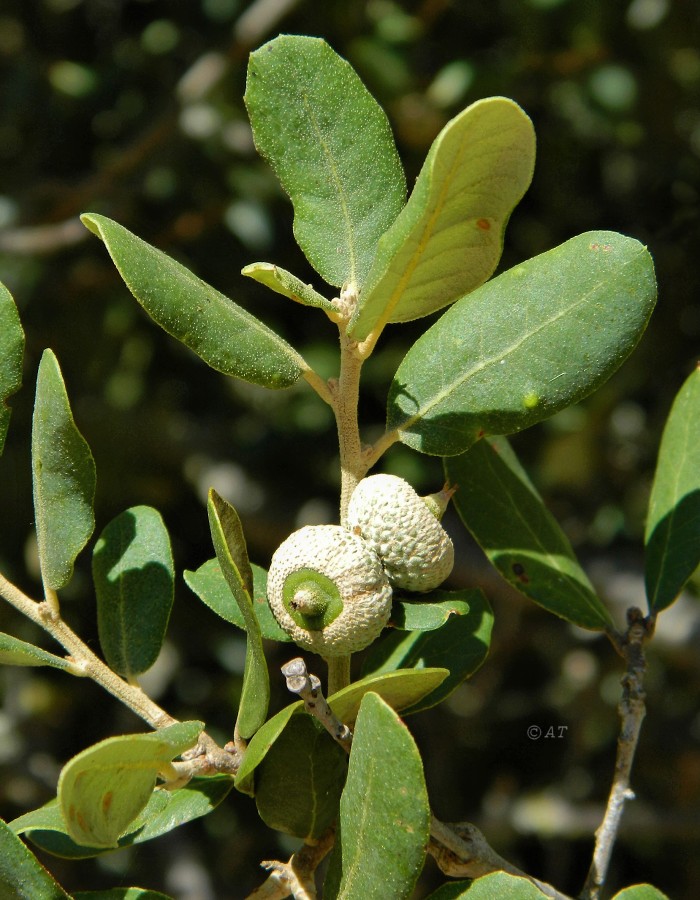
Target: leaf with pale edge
x=640, y=892
x=104, y=788
x=231, y=551
x=524, y=345
x=488, y=887
x=283, y=282
x=449, y=236
x=331, y=146
x=11, y=355
x=673, y=522
x=165, y=810
x=225, y=336
x=133, y=572
x=14, y=652
x=398, y=689
x=460, y=646
x=22, y=877
x=384, y=823
x=209, y=584
x=508, y=519
x=63, y=476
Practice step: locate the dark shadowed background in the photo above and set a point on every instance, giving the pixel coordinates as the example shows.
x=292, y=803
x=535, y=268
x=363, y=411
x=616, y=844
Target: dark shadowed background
x=133, y=108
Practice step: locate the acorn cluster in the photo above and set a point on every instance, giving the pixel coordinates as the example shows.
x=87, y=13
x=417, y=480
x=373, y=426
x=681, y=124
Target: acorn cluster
x=330, y=587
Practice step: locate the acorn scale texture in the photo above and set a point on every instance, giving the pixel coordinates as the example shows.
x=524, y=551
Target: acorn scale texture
x=415, y=550
x=356, y=571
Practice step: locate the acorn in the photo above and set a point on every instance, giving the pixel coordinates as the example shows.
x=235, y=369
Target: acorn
x=404, y=530
x=328, y=590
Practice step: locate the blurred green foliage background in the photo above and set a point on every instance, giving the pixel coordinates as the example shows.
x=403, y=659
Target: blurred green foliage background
x=133, y=108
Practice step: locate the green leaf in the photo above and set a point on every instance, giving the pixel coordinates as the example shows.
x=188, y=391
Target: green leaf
x=524, y=345
x=164, y=811
x=460, y=646
x=640, y=892
x=384, y=812
x=132, y=893
x=449, y=237
x=22, y=877
x=11, y=355
x=298, y=783
x=104, y=788
x=398, y=689
x=64, y=478
x=14, y=652
x=133, y=571
x=283, y=282
x=507, y=517
x=673, y=522
x=497, y=884
x=229, y=544
x=331, y=146
x=209, y=584
x=225, y=336
x=432, y=610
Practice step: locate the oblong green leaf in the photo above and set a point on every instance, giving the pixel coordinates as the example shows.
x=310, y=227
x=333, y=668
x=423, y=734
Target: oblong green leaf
x=231, y=552
x=14, y=652
x=134, y=573
x=400, y=689
x=104, y=788
x=225, y=336
x=488, y=887
x=449, y=236
x=432, y=610
x=640, y=892
x=384, y=812
x=298, y=783
x=63, y=478
x=22, y=877
x=165, y=810
x=673, y=522
x=508, y=519
x=524, y=345
x=283, y=282
x=331, y=146
x=209, y=584
x=460, y=646
x=11, y=355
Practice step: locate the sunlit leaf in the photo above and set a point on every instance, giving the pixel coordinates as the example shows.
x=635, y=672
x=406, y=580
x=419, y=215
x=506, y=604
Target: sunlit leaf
x=524, y=345
x=232, y=554
x=449, y=236
x=209, y=584
x=499, y=885
x=225, y=336
x=283, y=282
x=384, y=821
x=63, y=475
x=133, y=571
x=673, y=521
x=14, y=652
x=104, y=788
x=164, y=811
x=506, y=515
x=331, y=146
x=22, y=877
x=640, y=892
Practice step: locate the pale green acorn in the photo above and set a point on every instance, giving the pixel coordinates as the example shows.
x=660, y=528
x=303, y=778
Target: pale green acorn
x=328, y=590
x=404, y=530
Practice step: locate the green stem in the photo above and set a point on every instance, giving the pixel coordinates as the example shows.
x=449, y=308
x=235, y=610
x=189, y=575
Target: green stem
x=338, y=673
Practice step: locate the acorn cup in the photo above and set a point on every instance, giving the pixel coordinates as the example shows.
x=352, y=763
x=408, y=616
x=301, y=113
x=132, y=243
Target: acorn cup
x=328, y=590
x=404, y=530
